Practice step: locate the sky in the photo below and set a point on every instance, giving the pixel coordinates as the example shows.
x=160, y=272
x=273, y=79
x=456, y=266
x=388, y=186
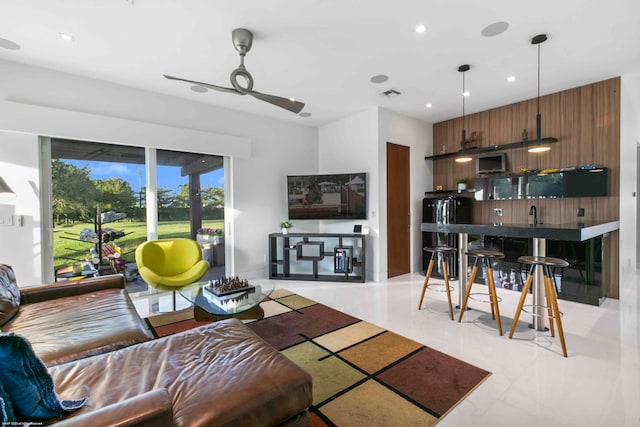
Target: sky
x=168, y=176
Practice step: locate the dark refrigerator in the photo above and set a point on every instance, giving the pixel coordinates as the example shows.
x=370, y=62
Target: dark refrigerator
x=444, y=210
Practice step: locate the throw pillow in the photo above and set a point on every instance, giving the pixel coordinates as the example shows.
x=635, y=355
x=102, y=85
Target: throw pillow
x=28, y=382
x=6, y=408
x=9, y=294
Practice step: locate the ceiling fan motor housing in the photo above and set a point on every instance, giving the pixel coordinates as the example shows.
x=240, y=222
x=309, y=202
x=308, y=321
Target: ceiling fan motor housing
x=242, y=40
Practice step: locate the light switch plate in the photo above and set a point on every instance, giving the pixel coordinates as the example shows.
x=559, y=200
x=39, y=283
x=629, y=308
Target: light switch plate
x=497, y=211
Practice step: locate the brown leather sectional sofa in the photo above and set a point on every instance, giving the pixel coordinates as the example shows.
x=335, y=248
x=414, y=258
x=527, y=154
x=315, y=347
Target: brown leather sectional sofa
x=94, y=344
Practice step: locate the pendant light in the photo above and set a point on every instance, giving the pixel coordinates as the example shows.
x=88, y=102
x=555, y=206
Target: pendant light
x=538, y=40
x=463, y=158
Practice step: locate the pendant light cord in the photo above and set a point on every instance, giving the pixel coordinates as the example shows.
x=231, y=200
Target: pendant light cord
x=462, y=99
x=538, y=78
x=463, y=69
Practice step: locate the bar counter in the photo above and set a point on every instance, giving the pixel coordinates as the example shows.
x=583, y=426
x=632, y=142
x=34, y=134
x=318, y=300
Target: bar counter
x=540, y=233
x=576, y=231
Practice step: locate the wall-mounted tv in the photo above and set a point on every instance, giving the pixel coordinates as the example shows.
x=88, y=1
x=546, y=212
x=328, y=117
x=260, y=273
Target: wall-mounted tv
x=335, y=196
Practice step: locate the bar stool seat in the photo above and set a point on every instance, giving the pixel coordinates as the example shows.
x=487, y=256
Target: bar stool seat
x=547, y=263
x=485, y=256
x=446, y=251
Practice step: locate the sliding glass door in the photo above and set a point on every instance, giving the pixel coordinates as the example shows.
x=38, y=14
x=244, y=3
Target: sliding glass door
x=101, y=194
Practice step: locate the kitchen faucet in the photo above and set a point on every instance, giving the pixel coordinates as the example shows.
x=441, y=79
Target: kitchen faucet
x=534, y=211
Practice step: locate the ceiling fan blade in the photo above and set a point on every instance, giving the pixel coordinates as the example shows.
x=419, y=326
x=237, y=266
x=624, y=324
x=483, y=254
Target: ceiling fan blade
x=286, y=103
x=207, y=85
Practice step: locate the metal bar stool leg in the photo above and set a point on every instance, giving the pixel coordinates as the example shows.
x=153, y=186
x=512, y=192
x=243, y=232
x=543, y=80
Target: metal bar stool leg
x=426, y=279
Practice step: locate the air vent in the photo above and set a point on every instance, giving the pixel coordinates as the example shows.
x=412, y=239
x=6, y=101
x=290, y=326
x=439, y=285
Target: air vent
x=391, y=93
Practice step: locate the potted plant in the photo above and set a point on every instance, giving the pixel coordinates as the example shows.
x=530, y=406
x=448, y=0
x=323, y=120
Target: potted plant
x=208, y=235
x=462, y=183
x=285, y=226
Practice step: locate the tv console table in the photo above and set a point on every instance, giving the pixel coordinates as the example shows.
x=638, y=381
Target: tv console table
x=329, y=257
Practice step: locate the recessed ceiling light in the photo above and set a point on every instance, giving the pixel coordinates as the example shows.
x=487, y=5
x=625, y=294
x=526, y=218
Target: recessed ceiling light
x=429, y=105
x=421, y=28
x=8, y=44
x=66, y=37
x=379, y=78
x=305, y=114
x=466, y=93
x=495, y=29
x=511, y=79
x=199, y=89
x=292, y=99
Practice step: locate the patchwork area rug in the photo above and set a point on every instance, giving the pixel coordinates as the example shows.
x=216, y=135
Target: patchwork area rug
x=363, y=375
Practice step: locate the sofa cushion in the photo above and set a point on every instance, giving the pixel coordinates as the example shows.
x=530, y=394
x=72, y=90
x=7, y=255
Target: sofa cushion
x=27, y=382
x=77, y=326
x=221, y=374
x=9, y=294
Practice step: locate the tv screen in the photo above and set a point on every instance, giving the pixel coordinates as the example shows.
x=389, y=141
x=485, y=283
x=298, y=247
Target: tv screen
x=491, y=163
x=336, y=196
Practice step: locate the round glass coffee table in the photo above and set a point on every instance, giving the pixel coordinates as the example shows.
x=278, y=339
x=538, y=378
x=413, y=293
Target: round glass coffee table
x=241, y=304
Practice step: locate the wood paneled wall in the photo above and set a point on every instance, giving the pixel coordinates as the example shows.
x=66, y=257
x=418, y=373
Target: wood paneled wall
x=586, y=122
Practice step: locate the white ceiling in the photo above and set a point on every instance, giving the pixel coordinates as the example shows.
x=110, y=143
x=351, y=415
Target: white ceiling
x=323, y=52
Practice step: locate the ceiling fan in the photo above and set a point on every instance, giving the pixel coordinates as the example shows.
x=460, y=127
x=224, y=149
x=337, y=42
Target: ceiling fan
x=242, y=40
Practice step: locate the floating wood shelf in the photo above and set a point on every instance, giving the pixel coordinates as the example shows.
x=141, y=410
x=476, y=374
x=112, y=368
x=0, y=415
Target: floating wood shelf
x=480, y=150
x=468, y=191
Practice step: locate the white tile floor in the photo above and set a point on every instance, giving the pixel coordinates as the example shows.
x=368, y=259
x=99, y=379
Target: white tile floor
x=531, y=384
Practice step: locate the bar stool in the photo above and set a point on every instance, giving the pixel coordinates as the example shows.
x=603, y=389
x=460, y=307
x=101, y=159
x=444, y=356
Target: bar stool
x=547, y=264
x=485, y=256
x=446, y=251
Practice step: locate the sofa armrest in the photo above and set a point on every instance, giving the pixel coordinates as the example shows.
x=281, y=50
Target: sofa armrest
x=150, y=409
x=65, y=289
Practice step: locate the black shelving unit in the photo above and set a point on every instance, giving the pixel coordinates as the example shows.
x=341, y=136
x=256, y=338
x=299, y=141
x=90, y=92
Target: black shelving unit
x=329, y=257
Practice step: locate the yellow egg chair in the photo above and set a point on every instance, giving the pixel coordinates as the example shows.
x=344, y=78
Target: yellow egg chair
x=169, y=264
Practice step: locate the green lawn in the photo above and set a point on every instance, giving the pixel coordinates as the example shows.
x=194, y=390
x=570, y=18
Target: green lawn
x=67, y=249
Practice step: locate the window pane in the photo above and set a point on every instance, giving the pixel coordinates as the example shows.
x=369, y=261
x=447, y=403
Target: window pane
x=99, y=214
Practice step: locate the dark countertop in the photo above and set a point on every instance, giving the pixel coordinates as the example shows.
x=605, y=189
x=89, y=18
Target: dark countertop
x=568, y=231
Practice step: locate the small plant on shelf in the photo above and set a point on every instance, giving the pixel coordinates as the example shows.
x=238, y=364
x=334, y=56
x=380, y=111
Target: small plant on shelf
x=285, y=226
x=462, y=183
